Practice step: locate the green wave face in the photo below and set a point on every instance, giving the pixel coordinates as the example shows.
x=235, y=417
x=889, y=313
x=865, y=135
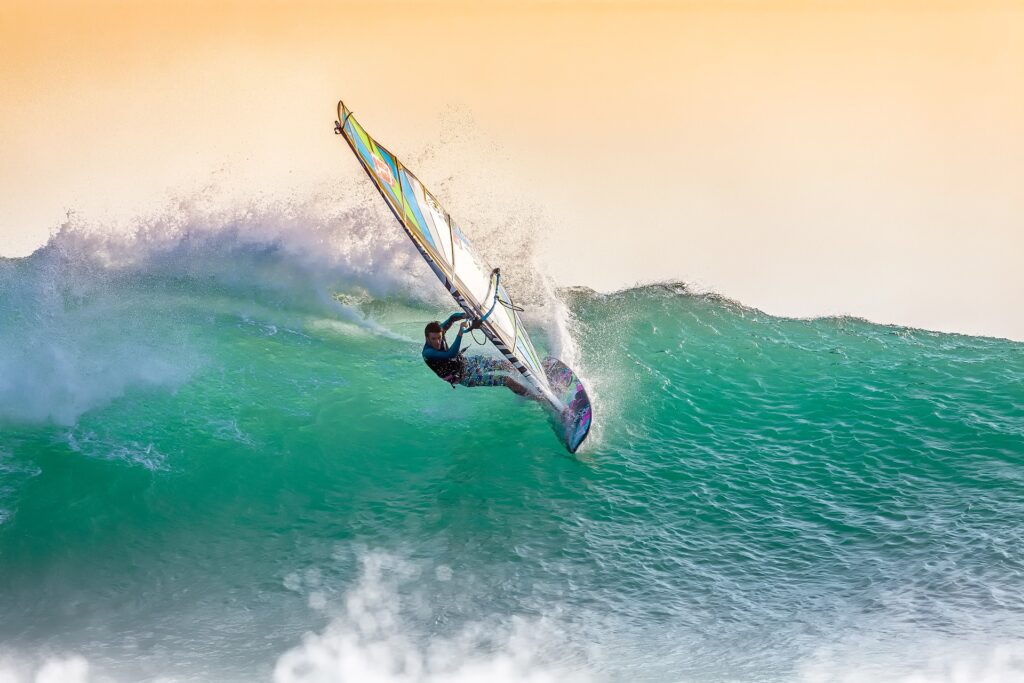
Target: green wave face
x=199, y=467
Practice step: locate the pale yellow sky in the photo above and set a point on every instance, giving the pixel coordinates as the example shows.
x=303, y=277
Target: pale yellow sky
x=806, y=158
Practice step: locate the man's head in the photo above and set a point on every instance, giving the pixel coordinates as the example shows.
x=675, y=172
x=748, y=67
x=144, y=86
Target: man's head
x=434, y=334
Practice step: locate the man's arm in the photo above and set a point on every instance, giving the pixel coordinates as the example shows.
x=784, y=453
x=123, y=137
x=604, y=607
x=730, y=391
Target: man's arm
x=451, y=320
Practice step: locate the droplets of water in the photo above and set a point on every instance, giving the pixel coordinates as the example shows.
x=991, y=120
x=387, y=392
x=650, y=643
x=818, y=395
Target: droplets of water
x=372, y=638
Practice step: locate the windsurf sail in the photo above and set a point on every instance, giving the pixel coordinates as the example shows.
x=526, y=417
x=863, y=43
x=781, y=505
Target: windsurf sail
x=474, y=285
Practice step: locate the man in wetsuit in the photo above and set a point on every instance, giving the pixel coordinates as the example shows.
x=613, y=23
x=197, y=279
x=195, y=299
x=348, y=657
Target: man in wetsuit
x=475, y=371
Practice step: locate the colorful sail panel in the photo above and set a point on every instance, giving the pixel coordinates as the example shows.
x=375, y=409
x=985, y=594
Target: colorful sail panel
x=469, y=279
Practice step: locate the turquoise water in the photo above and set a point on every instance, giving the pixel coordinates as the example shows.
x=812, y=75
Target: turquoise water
x=211, y=469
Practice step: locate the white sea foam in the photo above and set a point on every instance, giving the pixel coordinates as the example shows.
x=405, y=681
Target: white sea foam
x=89, y=443
x=61, y=376
x=62, y=361
x=72, y=669
x=369, y=641
x=339, y=656
x=960, y=663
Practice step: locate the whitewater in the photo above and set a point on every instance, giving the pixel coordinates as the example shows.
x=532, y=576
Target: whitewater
x=222, y=459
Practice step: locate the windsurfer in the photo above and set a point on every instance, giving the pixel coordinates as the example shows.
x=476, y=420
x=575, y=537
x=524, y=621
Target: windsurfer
x=450, y=365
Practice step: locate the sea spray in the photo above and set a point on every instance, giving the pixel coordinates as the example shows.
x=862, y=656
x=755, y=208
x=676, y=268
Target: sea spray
x=369, y=639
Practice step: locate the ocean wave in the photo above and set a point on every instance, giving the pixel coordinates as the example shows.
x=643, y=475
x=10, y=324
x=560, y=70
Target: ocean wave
x=91, y=315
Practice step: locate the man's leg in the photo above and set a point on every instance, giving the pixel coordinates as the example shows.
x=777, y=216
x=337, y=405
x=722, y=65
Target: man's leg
x=492, y=372
x=502, y=369
x=481, y=372
x=517, y=387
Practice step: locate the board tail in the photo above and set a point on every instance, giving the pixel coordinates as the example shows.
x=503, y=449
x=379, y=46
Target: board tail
x=573, y=422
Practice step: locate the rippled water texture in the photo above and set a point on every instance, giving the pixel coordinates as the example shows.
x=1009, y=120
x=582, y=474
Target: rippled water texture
x=213, y=473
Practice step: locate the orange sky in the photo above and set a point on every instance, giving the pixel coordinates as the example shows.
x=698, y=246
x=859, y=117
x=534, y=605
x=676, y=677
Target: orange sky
x=803, y=157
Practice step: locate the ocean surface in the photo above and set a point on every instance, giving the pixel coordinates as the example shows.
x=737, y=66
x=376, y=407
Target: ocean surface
x=222, y=459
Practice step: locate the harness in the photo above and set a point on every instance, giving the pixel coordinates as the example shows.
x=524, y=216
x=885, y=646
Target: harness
x=450, y=370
